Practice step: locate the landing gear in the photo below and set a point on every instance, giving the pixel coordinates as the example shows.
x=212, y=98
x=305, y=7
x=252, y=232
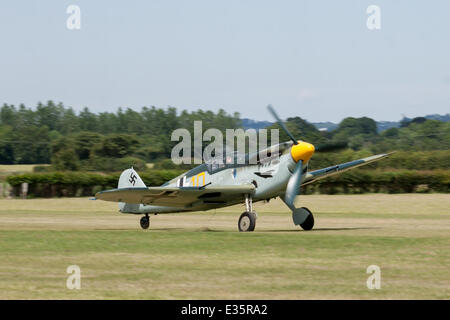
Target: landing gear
x=145, y=222
x=247, y=220
x=303, y=217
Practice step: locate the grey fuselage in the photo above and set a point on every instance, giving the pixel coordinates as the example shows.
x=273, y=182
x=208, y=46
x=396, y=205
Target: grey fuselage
x=270, y=178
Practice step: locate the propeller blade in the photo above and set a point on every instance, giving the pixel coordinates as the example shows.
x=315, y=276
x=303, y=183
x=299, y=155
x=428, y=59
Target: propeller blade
x=332, y=146
x=293, y=186
x=274, y=114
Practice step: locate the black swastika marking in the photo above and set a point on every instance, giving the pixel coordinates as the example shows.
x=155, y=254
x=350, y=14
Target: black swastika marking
x=133, y=178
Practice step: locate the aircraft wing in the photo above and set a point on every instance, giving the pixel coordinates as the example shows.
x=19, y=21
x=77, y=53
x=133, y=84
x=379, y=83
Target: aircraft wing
x=326, y=172
x=182, y=197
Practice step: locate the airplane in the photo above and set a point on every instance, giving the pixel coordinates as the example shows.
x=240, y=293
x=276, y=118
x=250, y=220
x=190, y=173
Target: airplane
x=214, y=185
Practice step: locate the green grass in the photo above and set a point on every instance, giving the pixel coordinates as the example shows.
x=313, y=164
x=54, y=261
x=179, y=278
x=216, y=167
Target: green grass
x=201, y=256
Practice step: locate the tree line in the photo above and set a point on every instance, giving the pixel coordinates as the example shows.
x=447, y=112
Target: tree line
x=110, y=141
x=53, y=133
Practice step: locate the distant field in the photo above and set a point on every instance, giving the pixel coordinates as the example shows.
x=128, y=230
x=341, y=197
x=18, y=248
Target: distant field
x=202, y=256
x=12, y=168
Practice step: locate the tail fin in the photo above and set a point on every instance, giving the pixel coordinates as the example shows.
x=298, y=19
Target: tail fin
x=130, y=179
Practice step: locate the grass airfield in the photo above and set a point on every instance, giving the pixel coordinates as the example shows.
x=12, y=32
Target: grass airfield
x=201, y=255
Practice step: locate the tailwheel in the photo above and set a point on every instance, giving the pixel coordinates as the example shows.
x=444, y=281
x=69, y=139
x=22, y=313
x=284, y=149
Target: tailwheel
x=247, y=222
x=303, y=217
x=145, y=222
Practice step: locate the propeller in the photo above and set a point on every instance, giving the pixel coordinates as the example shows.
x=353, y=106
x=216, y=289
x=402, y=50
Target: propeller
x=331, y=146
x=295, y=181
x=301, y=152
x=324, y=147
x=282, y=125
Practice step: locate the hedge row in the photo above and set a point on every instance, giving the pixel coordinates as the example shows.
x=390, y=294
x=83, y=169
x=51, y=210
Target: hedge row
x=77, y=184
x=364, y=181
x=401, y=160
x=71, y=184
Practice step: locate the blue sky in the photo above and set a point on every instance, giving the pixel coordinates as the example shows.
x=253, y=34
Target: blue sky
x=315, y=59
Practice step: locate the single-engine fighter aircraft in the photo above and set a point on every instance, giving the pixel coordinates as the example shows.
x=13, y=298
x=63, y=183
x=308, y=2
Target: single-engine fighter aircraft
x=214, y=185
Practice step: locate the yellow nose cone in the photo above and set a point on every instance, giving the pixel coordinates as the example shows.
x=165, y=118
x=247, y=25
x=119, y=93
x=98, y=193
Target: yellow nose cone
x=302, y=151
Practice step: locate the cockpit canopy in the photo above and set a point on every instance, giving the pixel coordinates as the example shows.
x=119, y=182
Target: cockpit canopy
x=226, y=160
x=234, y=159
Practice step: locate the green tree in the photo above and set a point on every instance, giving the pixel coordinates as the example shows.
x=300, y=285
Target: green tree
x=88, y=120
x=66, y=159
x=116, y=146
x=6, y=145
x=84, y=142
x=353, y=126
x=31, y=145
x=8, y=115
x=69, y=122
x=300, y=129
x=49, y=115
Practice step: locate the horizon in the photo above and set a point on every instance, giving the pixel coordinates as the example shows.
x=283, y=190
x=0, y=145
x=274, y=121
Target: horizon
x=180, y=110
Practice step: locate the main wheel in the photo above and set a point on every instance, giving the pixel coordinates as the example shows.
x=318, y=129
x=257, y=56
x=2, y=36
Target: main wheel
x=247, y=222
x=308, y=224
x=145, y=222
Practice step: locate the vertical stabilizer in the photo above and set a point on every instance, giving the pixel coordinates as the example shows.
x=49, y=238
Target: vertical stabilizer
x=130, y=179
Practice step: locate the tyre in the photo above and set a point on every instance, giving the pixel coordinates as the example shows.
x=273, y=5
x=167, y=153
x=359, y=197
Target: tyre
x=247, y=222
x=145, y=222
x=308, y=224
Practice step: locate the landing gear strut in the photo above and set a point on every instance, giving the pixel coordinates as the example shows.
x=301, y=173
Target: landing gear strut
x=303, y=217
x=145, y=221
x=247, y=220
